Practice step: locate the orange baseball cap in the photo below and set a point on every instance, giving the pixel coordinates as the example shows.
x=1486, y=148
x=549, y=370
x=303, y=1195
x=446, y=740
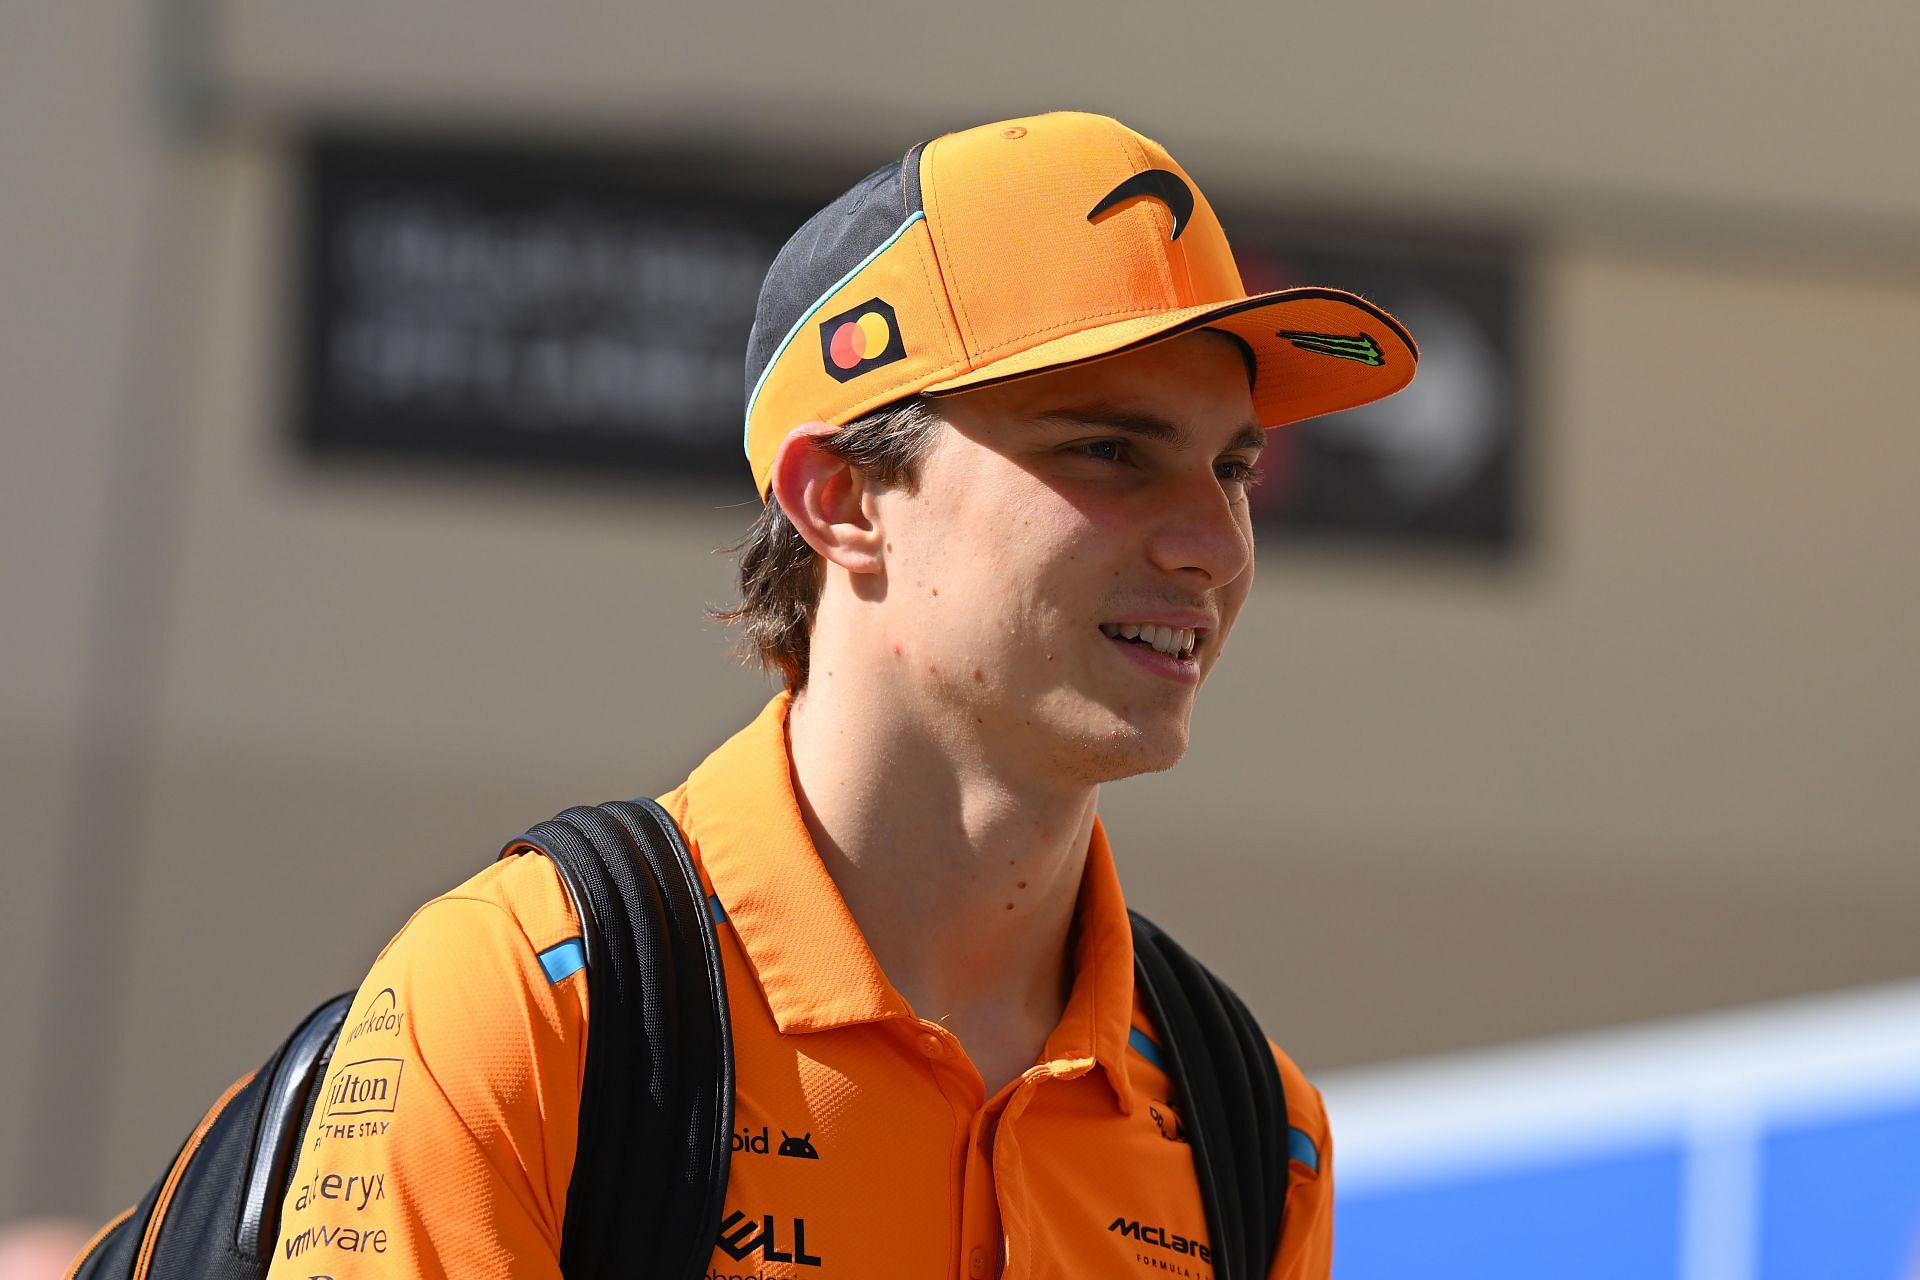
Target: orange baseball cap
x=1025, y=246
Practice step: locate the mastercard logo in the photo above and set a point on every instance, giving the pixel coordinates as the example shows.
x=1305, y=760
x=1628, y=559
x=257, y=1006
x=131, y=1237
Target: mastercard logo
x=861, y=339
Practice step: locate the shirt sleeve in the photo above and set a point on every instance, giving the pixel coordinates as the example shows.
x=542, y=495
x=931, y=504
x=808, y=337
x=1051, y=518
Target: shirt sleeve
x=441, y=1144
x=1306, y=1242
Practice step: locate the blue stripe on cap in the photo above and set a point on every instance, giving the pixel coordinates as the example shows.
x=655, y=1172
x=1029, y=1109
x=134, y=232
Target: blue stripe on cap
x=746, y=429
x=564, y=959
x=1300, y=1147
x=718, y=912
x=1141, y=1043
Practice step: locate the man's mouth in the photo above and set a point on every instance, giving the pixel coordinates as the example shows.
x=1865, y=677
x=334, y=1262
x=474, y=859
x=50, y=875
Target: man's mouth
x=1175, y=642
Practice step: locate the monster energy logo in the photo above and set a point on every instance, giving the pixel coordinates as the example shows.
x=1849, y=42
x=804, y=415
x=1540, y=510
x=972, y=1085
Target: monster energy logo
x=1359, y=346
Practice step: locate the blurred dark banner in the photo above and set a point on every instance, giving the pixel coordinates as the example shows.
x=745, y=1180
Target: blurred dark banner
x=546, y=306
x=1438, y=463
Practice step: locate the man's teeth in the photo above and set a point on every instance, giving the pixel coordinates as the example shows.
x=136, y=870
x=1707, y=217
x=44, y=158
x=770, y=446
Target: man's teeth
x=1176, y=641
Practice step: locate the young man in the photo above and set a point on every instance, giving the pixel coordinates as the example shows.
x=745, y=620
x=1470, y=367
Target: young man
x=1005, y=401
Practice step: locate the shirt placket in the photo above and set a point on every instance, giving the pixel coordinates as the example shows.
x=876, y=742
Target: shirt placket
x=1006, y=1172
x=981, y=1244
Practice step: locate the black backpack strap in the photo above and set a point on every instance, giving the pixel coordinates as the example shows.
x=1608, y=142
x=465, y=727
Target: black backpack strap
x=656, y=1109
x=1236, y=1105
x=289, y=1094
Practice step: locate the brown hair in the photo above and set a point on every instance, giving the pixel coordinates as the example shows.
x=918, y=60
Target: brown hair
x=780, y=574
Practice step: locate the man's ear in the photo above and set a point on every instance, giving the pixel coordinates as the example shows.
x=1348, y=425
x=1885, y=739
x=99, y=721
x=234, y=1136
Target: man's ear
x=827, y=499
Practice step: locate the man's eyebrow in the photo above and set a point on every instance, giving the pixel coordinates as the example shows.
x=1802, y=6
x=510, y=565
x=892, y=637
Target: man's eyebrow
x=1148, y=426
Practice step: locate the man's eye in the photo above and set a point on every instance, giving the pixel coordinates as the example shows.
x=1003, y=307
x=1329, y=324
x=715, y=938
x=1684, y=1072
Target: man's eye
x=1105, y=450
x=1237, y=471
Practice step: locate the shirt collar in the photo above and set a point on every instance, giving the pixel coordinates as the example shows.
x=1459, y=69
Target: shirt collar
x=812, y=962
x=1099, y=1015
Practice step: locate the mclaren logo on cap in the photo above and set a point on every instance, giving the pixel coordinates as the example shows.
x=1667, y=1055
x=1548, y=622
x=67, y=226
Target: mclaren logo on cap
x=864, y=338
x=1164, y=185
x=1358, y=346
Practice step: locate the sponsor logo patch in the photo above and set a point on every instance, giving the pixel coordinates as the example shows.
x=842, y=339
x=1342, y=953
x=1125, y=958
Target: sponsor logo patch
x=1161, y=1238
x=357, y=1096
x=800, y=1148
x=349, y=1129
x=750, y=1141
x=363, y=1087
x=1358, y=347
x=741, y=1237
x=1167, y=1120
x=356, y=1190
x=1164, y=185
x=861, y=340
x=326, y=1235
x=383, y=1016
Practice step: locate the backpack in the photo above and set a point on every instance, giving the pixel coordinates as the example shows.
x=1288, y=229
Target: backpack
x=651, y=1161
x=659, y=1083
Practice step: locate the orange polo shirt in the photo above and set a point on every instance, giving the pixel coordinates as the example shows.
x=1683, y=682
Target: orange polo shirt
x=864, y=1142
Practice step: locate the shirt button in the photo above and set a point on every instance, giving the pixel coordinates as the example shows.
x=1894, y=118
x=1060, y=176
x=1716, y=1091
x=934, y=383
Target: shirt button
x=930, y=1045
x=977, y=1264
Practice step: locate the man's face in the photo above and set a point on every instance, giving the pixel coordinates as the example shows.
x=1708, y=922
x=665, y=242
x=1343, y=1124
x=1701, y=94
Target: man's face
x=1057, y=514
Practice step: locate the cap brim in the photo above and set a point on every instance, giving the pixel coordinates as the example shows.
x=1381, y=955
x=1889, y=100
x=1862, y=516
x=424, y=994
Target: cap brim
x=1315, y=350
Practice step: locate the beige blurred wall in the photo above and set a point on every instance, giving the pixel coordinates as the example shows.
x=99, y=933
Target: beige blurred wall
x=251, y=713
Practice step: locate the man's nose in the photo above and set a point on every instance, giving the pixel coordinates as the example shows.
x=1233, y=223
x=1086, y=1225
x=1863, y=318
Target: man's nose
x=1200, y=531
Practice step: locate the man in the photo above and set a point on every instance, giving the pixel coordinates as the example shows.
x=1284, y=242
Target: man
x=1005, y=400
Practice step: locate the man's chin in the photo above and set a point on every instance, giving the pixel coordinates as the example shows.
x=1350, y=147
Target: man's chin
x=1156, y=757
x=1129, y=748
x=1094, y=742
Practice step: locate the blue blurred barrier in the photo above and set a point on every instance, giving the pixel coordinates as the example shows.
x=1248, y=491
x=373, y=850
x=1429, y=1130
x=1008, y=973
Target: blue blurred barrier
x=1766, y=1145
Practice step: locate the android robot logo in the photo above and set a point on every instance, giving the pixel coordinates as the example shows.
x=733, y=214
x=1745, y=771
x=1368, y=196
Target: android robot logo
x=800, y=1148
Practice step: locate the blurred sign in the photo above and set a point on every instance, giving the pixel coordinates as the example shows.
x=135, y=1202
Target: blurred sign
x=538, y=306
x=547, y=305
x=1758, y=1146
x=1437, y=463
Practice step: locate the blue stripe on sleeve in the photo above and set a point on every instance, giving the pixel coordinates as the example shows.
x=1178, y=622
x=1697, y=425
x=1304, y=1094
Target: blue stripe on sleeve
x=1300, y=1147
x=564, y=959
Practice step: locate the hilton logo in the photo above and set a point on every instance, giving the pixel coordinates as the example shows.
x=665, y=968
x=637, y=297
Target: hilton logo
x=372, y=1084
